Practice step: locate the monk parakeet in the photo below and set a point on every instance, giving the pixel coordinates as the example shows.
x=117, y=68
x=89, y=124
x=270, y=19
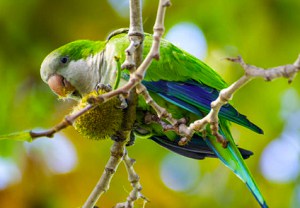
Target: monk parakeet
x=179, y=82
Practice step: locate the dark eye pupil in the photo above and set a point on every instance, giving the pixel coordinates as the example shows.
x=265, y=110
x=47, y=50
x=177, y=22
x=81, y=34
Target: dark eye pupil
x=64, y=60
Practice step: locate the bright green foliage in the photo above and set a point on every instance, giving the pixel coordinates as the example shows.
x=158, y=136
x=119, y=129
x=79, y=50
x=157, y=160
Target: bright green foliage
x=23, y=136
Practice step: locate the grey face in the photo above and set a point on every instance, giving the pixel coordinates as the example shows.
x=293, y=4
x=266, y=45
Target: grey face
x=68, y=78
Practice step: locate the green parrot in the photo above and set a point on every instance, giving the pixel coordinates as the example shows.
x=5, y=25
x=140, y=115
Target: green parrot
x=179, y=82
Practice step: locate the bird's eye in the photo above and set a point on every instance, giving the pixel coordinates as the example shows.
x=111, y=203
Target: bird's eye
x=64, y=59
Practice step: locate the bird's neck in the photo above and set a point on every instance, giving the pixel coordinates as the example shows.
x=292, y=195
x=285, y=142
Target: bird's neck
x=109, y=68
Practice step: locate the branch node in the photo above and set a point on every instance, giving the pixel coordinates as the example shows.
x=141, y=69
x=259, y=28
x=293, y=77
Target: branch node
x=156, y=56
x=167, y=4
x=117, y=154
x=94, y=100
x=297, y=62
x=128, y=65
x=159, y=30
x=224, y=97
x=69, y=120
x=110, y=170
x=136, y=34
x=237, y=59
x=183, y=141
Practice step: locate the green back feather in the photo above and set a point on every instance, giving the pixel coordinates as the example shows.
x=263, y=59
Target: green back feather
x=83, y=49
x=174, y=64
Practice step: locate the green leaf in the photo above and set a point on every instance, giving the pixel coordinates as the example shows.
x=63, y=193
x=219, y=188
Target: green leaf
x=18, y=136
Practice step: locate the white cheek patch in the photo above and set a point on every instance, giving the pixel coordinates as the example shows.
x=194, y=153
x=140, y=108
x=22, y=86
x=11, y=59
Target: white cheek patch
x=83, y=75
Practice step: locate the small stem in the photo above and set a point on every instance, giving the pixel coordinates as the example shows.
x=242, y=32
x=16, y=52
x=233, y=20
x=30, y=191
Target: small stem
x=134, y=180
x=117, y=151
x=160, y=111
x=67, y=121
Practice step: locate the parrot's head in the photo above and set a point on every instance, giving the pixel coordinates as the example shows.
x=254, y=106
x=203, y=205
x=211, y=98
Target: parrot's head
x=71, y=71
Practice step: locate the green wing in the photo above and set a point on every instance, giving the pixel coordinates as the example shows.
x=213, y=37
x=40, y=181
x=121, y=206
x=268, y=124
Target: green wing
x=177, y=65
x=174, y=64
x=178, y=68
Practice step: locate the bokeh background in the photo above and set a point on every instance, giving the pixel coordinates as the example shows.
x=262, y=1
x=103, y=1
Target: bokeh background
x=61, y=172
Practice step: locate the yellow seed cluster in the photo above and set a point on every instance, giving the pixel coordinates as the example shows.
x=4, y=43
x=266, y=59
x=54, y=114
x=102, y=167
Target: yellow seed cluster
x=101, y=122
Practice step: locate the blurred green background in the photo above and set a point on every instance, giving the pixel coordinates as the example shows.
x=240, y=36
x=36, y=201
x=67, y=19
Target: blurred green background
x=61, y=172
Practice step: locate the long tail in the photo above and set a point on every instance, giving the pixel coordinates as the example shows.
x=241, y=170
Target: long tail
x=197, y=148
x=232, y=158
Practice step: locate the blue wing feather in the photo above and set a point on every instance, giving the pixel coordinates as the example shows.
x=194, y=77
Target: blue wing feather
x=196, y=98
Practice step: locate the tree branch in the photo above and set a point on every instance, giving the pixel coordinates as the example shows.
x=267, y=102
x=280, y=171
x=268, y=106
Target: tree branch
x=134, y=52
x=67, y=121
x=134, y=180
x=287, y=71
x=116, y=154
x=161, y=112
x=134, y=57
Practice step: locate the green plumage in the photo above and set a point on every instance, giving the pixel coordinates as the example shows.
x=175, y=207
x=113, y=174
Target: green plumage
x=174, y=64
x=179, y=82
x=85, y=48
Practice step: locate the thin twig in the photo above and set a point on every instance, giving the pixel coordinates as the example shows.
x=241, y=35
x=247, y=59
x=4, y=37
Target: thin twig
x=287, y=71
x=117, y=153
x=67, y=121
x=134, y=51
x=135, y=183
x=161, y=112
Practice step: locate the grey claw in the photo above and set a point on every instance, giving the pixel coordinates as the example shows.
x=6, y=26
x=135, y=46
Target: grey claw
x=105, y=87
x=123, y=103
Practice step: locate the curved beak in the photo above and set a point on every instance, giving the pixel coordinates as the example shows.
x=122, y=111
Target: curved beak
x=60, y=86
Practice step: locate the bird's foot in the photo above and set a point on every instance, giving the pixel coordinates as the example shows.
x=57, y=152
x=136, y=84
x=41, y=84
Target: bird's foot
x=151, y=118
x=221, y=140
x=204, y=134
x=105, y=87
x=131, y=139
x=123, y=103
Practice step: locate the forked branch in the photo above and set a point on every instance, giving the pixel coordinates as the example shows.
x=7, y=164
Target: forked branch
x=287, y=71
x=134, y=179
